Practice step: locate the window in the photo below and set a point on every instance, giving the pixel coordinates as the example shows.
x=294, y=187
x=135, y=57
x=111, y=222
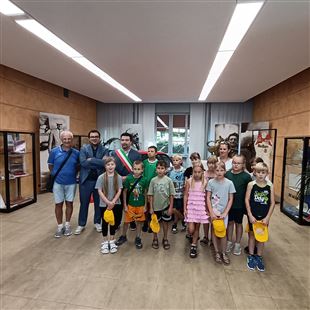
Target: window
x=172, y=134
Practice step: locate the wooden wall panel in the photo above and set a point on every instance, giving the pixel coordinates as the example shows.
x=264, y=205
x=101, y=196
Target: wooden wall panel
x=23, y=97
x=287, y=107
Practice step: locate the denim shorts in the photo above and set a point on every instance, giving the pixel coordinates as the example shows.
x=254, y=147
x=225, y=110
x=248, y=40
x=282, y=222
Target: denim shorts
x=64, y=192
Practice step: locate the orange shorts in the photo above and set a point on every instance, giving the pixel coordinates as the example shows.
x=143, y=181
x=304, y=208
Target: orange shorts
x=134, y=214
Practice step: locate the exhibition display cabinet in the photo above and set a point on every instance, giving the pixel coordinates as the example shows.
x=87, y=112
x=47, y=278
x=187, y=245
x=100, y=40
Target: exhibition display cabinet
x=295, y=192
x=17, y=170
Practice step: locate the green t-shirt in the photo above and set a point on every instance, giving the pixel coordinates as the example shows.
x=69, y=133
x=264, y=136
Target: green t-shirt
x=240, y=181
x=149, y=171
x=161, y=189
x=137, y=196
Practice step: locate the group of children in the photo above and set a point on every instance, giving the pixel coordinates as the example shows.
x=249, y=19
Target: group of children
x=191, y=197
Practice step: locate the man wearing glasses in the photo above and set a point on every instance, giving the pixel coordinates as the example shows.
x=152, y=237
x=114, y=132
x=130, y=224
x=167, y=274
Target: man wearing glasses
x=92, y=165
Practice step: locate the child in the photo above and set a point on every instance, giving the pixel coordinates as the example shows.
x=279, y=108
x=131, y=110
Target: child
x=109, y=185
x=209, y=174
x=219, y=199
x=195, y=205
x=255, y=161
x=176, y=174
x=195, y=159
x=260, y=202
x=134, y=200
x=240, y=178
x=161, y=193
x=149, y=173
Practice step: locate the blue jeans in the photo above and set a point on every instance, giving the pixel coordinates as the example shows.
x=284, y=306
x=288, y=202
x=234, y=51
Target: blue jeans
x=86, y=189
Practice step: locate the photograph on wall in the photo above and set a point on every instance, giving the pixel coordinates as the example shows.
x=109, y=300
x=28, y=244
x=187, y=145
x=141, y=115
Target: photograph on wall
x=51, y=126
x=230, y=134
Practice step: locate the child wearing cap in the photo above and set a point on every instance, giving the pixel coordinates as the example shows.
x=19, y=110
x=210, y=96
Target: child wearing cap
x=134, y=201
x=240, y=178
x=260, y=202
x=109, y=186
x=219, y=200
x=176, y=174
x=161, y=193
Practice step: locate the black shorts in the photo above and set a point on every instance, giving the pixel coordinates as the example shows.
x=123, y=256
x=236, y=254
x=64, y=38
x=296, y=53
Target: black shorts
x=258, y=218
x=178, y=204
x=235, y=215
x=163, y=215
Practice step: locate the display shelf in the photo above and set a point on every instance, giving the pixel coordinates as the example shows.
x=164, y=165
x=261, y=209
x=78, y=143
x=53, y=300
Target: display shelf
x=17, y=170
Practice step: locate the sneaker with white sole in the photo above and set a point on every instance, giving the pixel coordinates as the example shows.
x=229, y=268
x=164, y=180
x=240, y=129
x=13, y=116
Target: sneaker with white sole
x=104, y=247
x=229, y=246
x=237, y=249
x=260, y=263
x=113, y=247
x=68, y=231
x=78, y=230
x=59, y=232
x=98, y=228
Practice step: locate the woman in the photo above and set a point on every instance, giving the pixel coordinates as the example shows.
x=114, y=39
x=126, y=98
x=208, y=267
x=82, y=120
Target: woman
x=223, y=151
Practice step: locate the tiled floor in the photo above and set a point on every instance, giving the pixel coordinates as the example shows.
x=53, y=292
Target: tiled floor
x=41, y=272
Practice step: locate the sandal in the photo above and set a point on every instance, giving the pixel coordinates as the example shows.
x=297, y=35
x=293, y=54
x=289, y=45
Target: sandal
x=155, y=244
x=204, y=241
x=225, y=259
x=217, y=258
x=166, y=244
x=193, y=251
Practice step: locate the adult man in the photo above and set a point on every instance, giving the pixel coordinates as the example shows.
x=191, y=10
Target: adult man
x=124, y=158
x=92, y=165
x=65, y=183
x=233, y=140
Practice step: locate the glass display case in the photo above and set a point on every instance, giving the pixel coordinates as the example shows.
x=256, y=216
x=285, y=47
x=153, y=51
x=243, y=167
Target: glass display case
x=295, y=192
x=17, y=170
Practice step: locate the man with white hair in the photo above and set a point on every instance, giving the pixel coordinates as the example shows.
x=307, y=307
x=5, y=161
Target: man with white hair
x=63, y=163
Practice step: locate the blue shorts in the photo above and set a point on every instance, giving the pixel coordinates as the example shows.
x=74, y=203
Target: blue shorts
x=64, y=192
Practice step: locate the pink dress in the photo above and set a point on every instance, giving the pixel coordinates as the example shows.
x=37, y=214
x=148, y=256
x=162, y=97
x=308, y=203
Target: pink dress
x=196, y=205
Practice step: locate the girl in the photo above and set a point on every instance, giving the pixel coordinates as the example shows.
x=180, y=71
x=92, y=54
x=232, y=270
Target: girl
x=224, y=149
x=209, y=174
x=195, y=211
x=195, y=159
x=219, y=200
x=109, y=185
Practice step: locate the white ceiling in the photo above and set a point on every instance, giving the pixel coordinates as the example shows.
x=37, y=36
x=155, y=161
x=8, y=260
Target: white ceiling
x=160, y=50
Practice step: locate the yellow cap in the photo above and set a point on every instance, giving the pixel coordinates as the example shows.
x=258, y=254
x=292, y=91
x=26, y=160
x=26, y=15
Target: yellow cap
x=260, y=231
x=108, y=216
x=154, y=224
x=219, y=228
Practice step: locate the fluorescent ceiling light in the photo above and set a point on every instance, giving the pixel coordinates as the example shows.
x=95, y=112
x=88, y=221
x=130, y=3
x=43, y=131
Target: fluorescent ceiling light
x=217, y=68
x=9, y=9
x=47, y=36
x=43, y=33
x=104, y=76
x=241, y=20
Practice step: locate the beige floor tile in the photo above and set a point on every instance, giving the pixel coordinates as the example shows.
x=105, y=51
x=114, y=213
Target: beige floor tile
x=37, y=304
x=297, y=302
x=212, y=300
x=132, y=295
x=95, y=292
x=254, y=302
x=76, y=307
x=8, y=302
x=246, y=283
x=285, y=286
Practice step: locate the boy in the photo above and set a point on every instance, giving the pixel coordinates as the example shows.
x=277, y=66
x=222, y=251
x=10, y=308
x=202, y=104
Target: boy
x=176, y=174
x=149, y=173
x=134, y=201
x=161, y=193
x=259, y=202
x=240, y=179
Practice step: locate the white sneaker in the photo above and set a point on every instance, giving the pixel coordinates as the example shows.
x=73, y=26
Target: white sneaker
x=113, y=247
x=229, y=246
x=98, y=228
x=78, y=230
x=237, y=249
x=104, y=247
